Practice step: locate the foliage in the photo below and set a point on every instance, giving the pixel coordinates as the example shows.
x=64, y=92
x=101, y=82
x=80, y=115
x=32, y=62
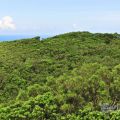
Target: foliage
x=65, y=77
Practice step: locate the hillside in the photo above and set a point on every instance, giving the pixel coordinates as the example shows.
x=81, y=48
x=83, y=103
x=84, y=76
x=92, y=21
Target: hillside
x=59, y=76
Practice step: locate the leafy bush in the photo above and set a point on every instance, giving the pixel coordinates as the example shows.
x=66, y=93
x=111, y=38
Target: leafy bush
x=66, y=77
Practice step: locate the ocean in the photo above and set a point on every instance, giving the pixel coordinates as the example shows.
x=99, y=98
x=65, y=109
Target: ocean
x=18, y=37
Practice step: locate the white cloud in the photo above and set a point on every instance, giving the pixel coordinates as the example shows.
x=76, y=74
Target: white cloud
x=7, y=23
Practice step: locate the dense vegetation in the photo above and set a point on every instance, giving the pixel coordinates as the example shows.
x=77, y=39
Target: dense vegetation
x=66, y=77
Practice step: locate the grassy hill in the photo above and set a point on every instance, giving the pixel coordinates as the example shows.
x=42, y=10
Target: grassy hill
x=68, y=75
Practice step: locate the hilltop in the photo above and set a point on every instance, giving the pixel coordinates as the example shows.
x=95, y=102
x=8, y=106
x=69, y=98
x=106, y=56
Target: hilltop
x=62, y=75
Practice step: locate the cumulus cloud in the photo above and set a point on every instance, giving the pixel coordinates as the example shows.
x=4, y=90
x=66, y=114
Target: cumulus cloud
x=7, y=23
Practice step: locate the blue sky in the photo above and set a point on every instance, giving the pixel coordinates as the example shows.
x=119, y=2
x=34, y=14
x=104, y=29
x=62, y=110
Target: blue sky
x=58, y=16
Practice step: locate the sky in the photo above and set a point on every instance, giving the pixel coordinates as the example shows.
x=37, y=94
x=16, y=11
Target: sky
x=35, y=17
